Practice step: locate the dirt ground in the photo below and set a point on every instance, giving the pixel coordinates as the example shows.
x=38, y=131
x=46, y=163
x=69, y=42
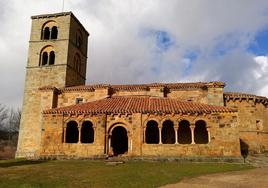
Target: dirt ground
x=257, y=178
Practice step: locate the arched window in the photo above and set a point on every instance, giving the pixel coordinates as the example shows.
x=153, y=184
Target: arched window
x=200, y=132
x=168, y=133
x=49, y=30
x=71, y=132
x=54, y=32
x=47, y=56
x=46, y=33
x=184, y=132
x=87, y=132
x=152, y=132
x=44, y=58
x=51, y=58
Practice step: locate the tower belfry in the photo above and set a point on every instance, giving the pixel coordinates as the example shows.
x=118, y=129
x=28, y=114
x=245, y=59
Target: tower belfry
x=57, y=58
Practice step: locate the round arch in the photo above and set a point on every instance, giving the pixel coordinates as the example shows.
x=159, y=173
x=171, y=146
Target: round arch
x=118, y=139
x=200, y=132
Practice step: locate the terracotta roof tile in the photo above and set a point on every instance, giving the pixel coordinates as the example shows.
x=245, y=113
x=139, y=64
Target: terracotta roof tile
x=131, y=104
x=137, y=87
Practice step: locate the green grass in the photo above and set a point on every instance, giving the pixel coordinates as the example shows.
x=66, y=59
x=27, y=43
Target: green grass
x=84, y=173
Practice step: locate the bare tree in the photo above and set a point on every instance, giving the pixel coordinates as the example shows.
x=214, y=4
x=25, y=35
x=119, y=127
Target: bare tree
x=4, y=115
x=14, y=120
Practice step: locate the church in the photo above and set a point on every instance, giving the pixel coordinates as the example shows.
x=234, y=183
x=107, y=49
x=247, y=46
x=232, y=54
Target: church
x=64, y=118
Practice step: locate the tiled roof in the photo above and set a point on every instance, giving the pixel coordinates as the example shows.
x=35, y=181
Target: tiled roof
x=136, y=87
x=135, y=104
x=237, y=95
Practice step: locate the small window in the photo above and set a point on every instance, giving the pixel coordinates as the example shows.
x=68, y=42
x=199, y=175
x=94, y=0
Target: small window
x=79, y=100
x=51, y=58
x=46, y=33
x=44, y=58
x=54, y=32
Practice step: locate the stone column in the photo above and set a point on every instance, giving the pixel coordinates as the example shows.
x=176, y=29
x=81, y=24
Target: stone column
x=79, y=134
x=208, y=130
x=110, y=150
x=64, y=134
x=106, y=142
x=176, y=128
x=160, y=134
x=144, y=134
x=192, y=126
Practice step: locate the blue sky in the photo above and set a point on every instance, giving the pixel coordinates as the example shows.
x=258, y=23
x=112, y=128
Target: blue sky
x=138, y=41
x=259, y=45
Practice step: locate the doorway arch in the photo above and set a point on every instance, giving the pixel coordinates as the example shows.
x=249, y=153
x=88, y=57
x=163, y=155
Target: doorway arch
x=119, y=140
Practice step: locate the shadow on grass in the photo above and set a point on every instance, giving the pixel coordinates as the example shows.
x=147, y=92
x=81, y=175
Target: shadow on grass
x=19, y=163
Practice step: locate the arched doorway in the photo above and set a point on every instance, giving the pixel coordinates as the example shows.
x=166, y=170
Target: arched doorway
x=119, y=140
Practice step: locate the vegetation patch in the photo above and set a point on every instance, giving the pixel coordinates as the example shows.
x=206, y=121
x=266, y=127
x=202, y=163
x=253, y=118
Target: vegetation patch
x=86, y=173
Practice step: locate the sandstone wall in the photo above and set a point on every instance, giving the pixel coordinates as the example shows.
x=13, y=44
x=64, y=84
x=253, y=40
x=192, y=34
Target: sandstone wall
x=53, y=137
x=224, y=140
x=252, y=123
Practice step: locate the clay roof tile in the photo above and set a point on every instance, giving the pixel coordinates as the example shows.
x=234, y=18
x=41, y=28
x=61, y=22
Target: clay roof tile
x=135, y=104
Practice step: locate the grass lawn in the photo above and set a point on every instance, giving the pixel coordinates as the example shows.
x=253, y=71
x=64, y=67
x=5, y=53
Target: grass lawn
x=86, y=173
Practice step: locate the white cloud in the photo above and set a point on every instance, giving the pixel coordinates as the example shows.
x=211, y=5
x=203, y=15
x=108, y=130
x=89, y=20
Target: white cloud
x=220, y=31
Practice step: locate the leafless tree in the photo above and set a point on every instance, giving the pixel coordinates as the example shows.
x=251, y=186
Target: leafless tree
x=14, y=120
x=4, y=115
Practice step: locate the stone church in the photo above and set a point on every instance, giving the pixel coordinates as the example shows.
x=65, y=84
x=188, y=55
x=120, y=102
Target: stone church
x=63, y=117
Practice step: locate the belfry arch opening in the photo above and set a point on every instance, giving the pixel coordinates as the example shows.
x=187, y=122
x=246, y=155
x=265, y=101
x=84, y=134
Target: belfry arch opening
x=119, y=141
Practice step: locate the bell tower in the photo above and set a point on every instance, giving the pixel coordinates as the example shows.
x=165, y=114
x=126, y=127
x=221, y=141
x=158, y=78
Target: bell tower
x=57, y=57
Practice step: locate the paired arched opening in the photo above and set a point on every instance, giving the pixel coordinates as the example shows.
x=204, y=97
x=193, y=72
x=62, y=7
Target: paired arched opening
x=79, y=134
x=152, y=132
x=49, y=31
x=72, y=132
x=184, y=132
x=47, y=56
x=87, y=132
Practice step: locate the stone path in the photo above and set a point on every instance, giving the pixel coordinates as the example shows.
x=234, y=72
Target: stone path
x=256, y=178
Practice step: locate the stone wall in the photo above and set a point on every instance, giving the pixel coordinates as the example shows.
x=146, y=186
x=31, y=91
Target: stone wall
x=53, y=137
x=224, y=140
x=252, y=123
x=223, y=136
